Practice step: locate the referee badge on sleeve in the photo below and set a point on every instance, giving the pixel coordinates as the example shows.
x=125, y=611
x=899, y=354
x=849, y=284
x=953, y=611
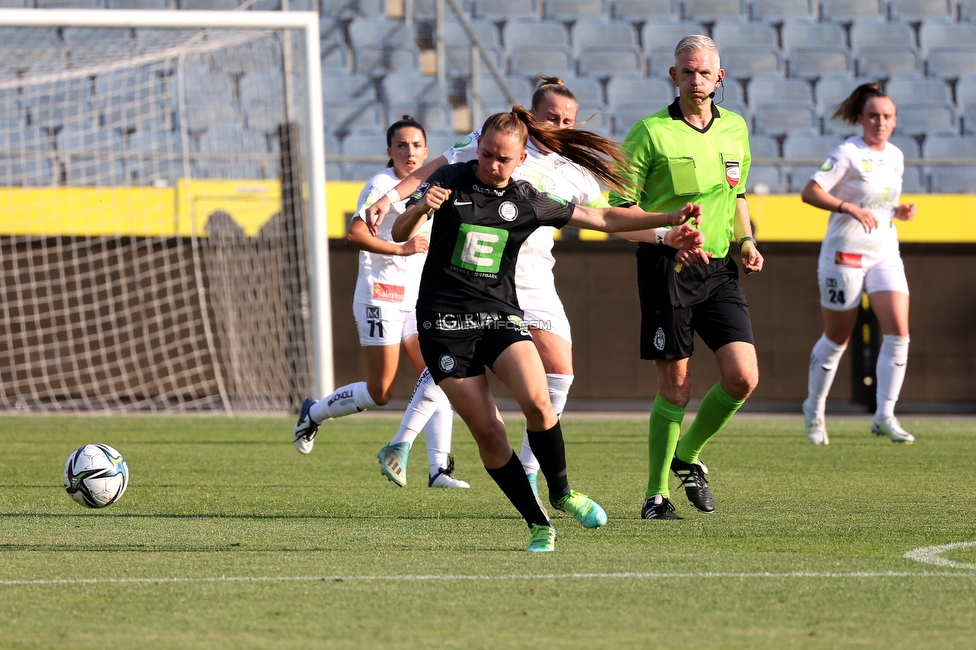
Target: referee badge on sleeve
x=732, y=172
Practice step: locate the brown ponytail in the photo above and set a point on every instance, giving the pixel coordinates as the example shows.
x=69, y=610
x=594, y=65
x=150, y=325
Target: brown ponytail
x=850, y=109
x=553, y=85
x=588, y=150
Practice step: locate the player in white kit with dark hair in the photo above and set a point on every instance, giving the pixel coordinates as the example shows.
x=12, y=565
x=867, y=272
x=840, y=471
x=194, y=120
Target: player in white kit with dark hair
x=860, y=183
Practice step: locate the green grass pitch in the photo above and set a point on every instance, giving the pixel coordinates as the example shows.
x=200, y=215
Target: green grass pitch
x=228, y=538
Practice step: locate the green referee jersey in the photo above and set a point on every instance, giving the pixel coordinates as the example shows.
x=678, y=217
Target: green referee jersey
x=673, y=163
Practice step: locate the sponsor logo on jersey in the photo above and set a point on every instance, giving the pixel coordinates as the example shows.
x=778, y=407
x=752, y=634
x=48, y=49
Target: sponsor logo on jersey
x=732, y=172
x=867, y=165
x=447, y=363
x=490, y=191
x=388, y=292
x=852, y=260
x=659, y=339
x=459, y=203
x=828, y=164
x=374, y=312
x=508, y=211
x=479, y=248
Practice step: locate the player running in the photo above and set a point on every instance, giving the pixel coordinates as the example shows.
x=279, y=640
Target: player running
x=547, y=171
x=468, y=311
x=860, y=183
x=384, y=301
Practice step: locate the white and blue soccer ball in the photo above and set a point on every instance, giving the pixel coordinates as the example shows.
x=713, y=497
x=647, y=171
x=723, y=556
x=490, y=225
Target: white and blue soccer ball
x=96, y=475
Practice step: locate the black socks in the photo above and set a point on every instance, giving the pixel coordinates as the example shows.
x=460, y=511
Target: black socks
x=513, y=482
x=549, y=448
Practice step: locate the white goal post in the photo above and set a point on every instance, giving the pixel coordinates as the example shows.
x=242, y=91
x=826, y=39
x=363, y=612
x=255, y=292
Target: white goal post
x=163, y=239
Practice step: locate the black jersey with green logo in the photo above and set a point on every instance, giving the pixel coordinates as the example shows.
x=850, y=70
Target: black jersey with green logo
x=475, y=240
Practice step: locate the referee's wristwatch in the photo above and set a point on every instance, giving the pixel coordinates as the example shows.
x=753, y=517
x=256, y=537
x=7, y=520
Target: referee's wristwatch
x=745, y=239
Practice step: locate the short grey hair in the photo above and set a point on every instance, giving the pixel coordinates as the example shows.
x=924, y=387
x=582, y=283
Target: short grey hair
x=695, y=43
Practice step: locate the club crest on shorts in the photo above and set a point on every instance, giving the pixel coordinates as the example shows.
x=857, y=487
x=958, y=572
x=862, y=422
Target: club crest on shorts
x=507, y=211
x=447, y=363
x=732, y=172
x=659, y=339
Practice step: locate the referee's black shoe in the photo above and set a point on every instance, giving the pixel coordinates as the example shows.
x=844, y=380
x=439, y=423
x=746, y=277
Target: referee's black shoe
x=657, y=507
x=692, y=477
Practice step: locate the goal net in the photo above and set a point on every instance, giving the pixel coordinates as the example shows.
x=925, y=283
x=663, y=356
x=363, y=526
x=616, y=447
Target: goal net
x=156, y=212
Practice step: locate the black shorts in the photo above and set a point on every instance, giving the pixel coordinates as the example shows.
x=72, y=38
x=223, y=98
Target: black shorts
x=462, y=345
x=706, y=299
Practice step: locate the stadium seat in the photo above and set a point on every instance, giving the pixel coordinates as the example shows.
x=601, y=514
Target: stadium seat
x=77, y=140
x=31, y=171
x=531, y=60
x=783, y=118
x=908, y=146
x=458, y=45
x=808, y=146
x=780, y=105
x=436, y=115
x=263, y=117
x=949, y=48
x=70, y=102
x=832, y=90
x=747, y=61
x=736, y=31
x=588, y=92
x=766, y=179
x=24, y=140
x=954, y=179
x=154, y=40
x=570, y=11
x=776, y=11
x=800, y=175
x=627, y=115
x=423, y=98
x=772, y=88
x=914, y=180
x=966, y=91
x=917, y=119
x=729, y=92
x=660, y=36
x=217, y=170
x=917, y=10
x=37, y=49
x=341, y=9
x=591, y=33
x=639, y=11
x=845, y=12
x=534, y=33
x=232, y=137
x=763, y=146
x=967, y=10
x=913, y=88
x=260, y=83
x=608, y=60
x=257, y=55
x=507, y=10
x=883, y=49
x=382, y=46
x=341, y=117
x=70, y=4
x=709, y=11
x=439, y=141
x=341, y=86
x=629, y=89
x=814, y=49
x=493, y=99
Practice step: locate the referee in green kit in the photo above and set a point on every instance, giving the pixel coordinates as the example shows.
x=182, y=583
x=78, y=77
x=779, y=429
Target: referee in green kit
x=692, y=151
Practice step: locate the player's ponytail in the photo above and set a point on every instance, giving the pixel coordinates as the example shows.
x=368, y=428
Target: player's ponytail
x=850, y=109
x=602, y=157
x=407, y=121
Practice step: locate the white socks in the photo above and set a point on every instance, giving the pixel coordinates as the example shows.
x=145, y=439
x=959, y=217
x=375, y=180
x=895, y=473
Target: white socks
x=558, y=394
x=429, y=410
x=892, y=363
x=824, y=359
x=351, y=398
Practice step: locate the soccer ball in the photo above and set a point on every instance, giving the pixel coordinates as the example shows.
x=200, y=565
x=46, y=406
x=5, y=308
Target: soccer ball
x=96, y=475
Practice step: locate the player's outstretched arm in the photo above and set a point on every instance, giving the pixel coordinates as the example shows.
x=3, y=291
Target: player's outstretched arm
x=374, y=214
x=624, y=219
x=359, y=237
x=417, y=214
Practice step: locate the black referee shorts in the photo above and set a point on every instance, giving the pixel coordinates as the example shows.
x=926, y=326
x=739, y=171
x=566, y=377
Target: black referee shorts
x=706, y=299
x=462, y=345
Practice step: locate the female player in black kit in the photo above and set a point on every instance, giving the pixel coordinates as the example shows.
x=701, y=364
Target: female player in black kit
x=467, y=311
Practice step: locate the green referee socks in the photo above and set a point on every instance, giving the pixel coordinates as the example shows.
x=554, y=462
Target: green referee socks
x=717, y=408
x=662, y=437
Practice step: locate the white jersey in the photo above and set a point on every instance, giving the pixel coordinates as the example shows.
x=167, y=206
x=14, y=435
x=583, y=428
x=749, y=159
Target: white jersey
x=871, y=179
x=388, y=280
x=549, y=173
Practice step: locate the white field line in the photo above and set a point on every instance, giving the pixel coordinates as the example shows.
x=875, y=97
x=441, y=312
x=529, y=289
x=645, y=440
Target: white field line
x=933, y=555
x=514, y=577
x=925, y=554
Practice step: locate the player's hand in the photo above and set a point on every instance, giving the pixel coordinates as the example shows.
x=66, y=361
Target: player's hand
x=906, y=211
x=689, y=212
x=435, y=197
x=692, y=256
x=752, y=259
x=865, y=217
x=684, y=237
x=414, y=245
x=373, y=215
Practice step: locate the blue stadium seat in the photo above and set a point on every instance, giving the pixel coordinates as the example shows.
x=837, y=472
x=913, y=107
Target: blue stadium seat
x=70, y=4
x=913, y=88
x=737, y=30
x=845, y=12
x=763, y=146
x=212, y=5
x=628, y=89
x=535, y=33
x=883, y=49
x=747, y=61
x=766, y=179
x=831, y=91
x=914, y=180
x=493, y=99
x=591, y=33
x=776, y=11
x=458, y=45
x=91, y=156
x=382, y=46
x=659, y=38
x=814, y=49
x=439, y=141
x=783, y=119
x=342, y=117
x=639, y=11
x=218, y=170
x=261, y=84
x=530, y=60
x=954, y=179
x=264, y=117
x=808, y=145
x=260, y=54
x=918, y=119
x=967, y=10
x=506, y=10
x=570, y=11
x=709, y=11
x=917, y=10
x=68, y=102
x=232, y=137
x=29, y=171
x=949, y=48
x=437, y=115
x=781, y=105
x=588, y=92
x=908, y=146
x=22, y=140
x=608, y=60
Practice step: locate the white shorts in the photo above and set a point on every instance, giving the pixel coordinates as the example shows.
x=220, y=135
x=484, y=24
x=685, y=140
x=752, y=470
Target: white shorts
x=544, y=310
x=843, y=276
x=383, y=325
